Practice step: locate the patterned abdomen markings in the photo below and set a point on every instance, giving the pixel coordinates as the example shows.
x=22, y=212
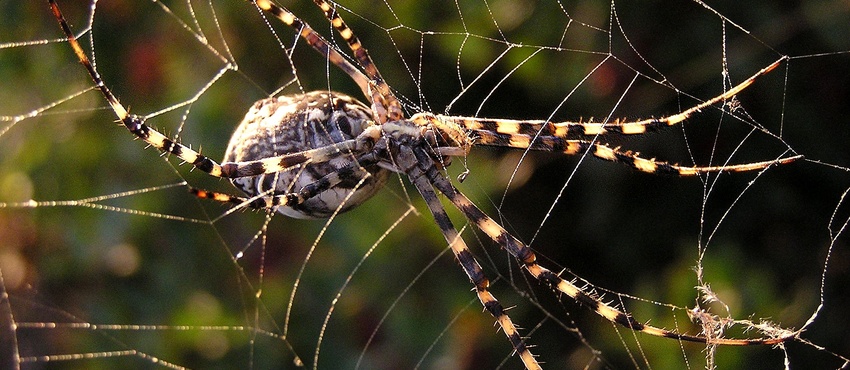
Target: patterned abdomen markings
x=295, y=123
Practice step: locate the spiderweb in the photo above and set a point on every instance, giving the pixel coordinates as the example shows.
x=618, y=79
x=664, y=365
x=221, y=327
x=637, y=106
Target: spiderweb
x=106, y=261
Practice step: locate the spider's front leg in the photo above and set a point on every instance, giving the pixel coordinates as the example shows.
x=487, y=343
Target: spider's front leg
x=590, y=129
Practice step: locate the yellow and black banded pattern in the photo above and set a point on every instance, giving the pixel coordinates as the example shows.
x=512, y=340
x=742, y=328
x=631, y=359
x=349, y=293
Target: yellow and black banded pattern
x=315, y=40
x=604, y=152
x=420, y=169
x=392, y=105
x=258, y=203
x=137, y=127
x=133, y=123
x=387, y=107
x=353, y=170
x=570, y=129
x=525, y=255
x=576, y=138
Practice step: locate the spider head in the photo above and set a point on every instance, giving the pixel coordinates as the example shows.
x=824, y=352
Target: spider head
x=445, y=138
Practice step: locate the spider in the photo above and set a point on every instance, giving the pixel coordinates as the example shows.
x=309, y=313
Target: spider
x=314, y=154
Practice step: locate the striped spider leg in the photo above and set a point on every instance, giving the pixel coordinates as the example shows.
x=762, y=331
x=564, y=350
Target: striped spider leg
x=365, y=133
x=312, y=154
x=563, y=136
x=460, y=133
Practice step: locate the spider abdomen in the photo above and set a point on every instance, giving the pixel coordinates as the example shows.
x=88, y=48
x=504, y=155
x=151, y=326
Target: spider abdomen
x=296, y=123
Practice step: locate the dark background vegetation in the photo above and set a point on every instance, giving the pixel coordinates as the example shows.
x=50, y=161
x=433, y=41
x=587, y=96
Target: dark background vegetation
x=629, y=232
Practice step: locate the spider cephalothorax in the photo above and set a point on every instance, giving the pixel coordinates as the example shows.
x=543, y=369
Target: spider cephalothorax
x=292, y=124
